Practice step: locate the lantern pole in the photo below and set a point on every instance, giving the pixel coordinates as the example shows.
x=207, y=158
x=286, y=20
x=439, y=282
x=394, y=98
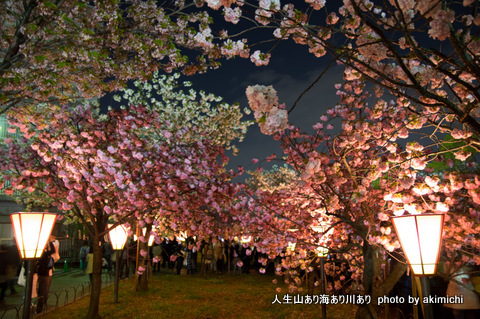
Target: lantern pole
x=32, y=232
x=27, y=294
x=322, y=285
x=322, y=253
x=118, y=237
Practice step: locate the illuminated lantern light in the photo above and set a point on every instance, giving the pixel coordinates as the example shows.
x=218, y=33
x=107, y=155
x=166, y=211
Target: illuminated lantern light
x=182, y=236
x=118, y=237
x=245, y=239
x=32, y=231
x=291, y=246
x=322, y=251
x=421, y=237
x=150, y=239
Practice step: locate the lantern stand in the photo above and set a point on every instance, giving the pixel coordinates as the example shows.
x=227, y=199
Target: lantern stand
x=32, y=231
x=420, y=236
x=118, y=237
x=322, y=253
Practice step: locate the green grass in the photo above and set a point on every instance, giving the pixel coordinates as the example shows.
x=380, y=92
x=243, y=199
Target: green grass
x=201, y=297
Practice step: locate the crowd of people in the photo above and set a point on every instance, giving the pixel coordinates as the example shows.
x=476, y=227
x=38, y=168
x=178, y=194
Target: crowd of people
x=9, y=268
x=11, y=272
x=185, y=256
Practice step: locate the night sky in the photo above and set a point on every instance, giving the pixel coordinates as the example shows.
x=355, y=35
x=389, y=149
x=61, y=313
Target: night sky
x=291, y=70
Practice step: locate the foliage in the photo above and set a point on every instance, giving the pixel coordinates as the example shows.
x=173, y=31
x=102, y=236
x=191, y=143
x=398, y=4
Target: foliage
x=104, y=168
x=52, y=50
x=353, y=181
x=198, y=115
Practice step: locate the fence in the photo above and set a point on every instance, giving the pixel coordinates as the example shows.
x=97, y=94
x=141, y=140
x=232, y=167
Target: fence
x=69, y=249
x=58, y=299
x=4, y=130
x=4, y=126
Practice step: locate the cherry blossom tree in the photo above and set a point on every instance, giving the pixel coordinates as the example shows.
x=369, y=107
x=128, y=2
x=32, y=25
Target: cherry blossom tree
x=103, y=168
x=53, y=50
x=206, y=115
x=353, y=181
x=425, y=51
x=191, y=117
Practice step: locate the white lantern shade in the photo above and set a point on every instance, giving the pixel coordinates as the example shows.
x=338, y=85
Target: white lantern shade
x=420, y=236
x=322, y=250
x=182, y=236
x=245, y=239
x=32, y=231
x=291, y=246
x=118, y=237
x=150, y=239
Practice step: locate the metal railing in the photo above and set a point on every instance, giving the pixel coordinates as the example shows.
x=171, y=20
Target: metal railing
x=4, y=130
x=7, y=185
x=4, y=126
x=58, y=299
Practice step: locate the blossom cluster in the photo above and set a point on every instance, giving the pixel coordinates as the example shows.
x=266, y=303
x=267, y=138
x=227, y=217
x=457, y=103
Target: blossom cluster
x=270, y=116
x=188, y=115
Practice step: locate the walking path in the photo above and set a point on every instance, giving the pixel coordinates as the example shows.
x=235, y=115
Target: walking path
x=66, y=287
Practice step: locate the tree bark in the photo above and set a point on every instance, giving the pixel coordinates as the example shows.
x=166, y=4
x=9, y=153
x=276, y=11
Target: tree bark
x=143, y=278
x=368, y=311
x=142, y=284
x=376, y=282
x=93, y=309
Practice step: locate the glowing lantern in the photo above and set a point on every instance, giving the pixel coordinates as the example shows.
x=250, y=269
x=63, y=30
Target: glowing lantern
x=118, y=237
x=421, y=237
x=245, y=239
x=182, y=236
x=322, y=251
x=32, y=231
x=291, y=246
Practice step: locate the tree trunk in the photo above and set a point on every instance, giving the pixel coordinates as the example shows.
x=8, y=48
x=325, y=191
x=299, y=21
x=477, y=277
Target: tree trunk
x=145, y=262
x=96, y=278
x=376, y=282
x=368, y=311
x=143, y=278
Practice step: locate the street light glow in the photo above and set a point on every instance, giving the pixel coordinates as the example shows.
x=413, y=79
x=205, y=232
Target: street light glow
x=118, y=237
x=32, y=231
x=420, y=236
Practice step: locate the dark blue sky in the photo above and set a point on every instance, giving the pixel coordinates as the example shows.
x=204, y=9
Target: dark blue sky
x=291, y=70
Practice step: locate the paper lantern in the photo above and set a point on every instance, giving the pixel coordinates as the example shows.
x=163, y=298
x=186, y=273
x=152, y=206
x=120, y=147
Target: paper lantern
x=32, y=231
x=421, y=237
